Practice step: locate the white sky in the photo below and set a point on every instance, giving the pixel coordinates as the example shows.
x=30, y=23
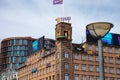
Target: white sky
x=36, y=18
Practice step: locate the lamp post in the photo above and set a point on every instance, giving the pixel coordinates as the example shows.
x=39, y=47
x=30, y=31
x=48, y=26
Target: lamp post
x=99, y=30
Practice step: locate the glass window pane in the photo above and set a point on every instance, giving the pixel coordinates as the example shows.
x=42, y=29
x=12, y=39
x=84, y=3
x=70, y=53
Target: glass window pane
x=110, y=50
x=104, y=59
x=76, y=66
x=89, y=47
x=116, y=50
x=66, y=65
x=25, y=42
x=76, y=77
x=111, y=78
x=97, y=69
x=66, y=54
x=76, y=56
x=111, y=69
x=14, y=42
x=20, y=42
x=83, y=77
x=14, y=59
x=90, y=67
x=83, y=56
x=105, y=69
x=111, y=60
x=97, y=58
x=118, y=70
x=66, y=76
x=90, y=57
x=117, y=61
x=18, y=47
x=96, y=48
x=91, y=78
x=97, y=78
x=83, y=67
x=18, y=53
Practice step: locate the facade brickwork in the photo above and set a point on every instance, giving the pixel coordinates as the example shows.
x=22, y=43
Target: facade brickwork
x=68, y=61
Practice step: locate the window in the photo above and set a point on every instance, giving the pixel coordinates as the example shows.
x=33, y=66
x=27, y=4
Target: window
x=12, y=48
x=20, y=41
x=66, y=55
x=116, y=50
x=17, y=65
x=91, y=78
x=90, y=57
x=66, y=76
x=97, y=69
x=66, y=33
x=14, y=59
x=104, y=49
x=83, y=67
x=58, y=55
x=111, y=60
x=14, y=42
x=111, y=69
x=90, y=67
x=97, y=58
x=105, y=69
x=58, y=66
x=66, y=65
x=76, y=66
x=104, y=59
x=22, y=53
x=89, y=47
x=96, y=48
x=111, y=78
x=58, y=34
x=117, y=61
x=18, y=53
x=76, y=56
x=83, y=56
x=118, y=70
x=76, y=77
x=110, y=50
x=23, y=48
x=83, y=77
x=25, y=42
x=18, y=47
x=97, y=78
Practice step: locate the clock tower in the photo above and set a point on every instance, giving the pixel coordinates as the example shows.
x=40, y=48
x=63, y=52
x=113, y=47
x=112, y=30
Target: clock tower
x=64, y=57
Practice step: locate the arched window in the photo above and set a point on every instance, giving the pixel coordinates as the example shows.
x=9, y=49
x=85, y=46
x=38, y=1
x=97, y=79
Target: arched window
x=58, y=34
x=66, y=33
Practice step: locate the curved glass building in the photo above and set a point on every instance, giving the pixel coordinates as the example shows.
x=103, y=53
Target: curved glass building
x=14, y=51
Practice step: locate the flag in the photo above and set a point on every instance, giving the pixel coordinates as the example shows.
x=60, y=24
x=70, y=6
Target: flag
x=55, y=2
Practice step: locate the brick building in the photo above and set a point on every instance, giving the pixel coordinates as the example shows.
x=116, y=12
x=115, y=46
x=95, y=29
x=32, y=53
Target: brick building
x=68, y=61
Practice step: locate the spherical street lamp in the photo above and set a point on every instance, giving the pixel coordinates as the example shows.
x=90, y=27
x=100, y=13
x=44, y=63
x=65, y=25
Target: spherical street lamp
x=99, y=30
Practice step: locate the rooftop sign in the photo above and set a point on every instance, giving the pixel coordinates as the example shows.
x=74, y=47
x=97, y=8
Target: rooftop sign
x=63, y=19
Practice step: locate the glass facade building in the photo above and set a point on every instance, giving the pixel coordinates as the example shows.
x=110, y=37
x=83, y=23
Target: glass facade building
x=14, y=51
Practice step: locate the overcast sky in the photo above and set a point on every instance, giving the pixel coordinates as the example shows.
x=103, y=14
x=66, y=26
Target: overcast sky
x=36, y=18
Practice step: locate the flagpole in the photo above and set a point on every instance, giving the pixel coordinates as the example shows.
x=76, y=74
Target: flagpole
x=63, y=6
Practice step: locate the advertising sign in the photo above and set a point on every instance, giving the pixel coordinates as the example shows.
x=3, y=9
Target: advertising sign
x=108, y=39
x=63, y=19
x=35, y=45
x=41, y=42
